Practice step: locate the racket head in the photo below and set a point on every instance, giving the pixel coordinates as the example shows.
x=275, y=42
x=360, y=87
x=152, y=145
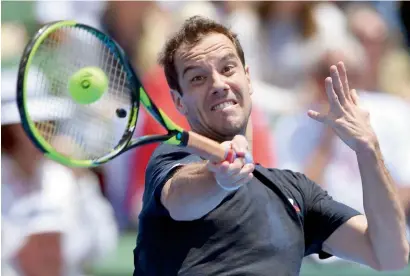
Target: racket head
x=46, y=52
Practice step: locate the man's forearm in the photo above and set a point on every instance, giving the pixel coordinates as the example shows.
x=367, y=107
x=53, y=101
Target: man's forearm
x=385, y=215
x=404, y=197
x=192, y=193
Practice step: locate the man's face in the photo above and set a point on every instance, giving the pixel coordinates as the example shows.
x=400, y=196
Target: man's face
x=215, y=87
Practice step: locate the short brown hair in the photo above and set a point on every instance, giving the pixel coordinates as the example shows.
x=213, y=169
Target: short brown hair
x=191, y=32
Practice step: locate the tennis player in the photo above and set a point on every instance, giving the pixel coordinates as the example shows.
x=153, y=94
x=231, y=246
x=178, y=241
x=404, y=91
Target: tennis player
x=200, y=218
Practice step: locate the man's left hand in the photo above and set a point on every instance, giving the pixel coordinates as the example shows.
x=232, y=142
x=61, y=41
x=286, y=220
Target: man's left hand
x=345, y=116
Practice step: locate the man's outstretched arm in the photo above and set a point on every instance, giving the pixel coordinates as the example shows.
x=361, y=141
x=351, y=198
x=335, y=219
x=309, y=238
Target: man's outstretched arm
x=377, y=239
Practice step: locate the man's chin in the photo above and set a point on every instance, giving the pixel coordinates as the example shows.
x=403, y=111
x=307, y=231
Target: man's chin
x=231, y=129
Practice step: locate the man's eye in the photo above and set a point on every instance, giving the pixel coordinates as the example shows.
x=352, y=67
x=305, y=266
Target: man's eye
x=228, y=69
x=197, y=79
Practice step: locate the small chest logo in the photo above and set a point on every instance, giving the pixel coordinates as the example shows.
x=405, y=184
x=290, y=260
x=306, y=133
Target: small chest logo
x=295, y=206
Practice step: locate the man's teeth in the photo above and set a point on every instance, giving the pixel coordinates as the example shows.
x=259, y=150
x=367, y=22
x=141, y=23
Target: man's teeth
x=223, y=105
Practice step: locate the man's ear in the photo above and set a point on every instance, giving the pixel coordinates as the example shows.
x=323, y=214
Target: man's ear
x=179, y=102
x=248, y=77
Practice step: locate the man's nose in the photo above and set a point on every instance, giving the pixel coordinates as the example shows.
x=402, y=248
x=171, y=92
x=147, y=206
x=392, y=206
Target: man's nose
x=219, y=84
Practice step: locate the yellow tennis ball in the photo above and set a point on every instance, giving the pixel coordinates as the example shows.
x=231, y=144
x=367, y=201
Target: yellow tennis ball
x=87, y=85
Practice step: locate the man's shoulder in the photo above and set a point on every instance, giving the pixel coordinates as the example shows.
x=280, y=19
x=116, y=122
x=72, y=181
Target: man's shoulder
x=165, y=156
x=164, y=150
x=284, y=178
x=283, y=175
x=290, y=185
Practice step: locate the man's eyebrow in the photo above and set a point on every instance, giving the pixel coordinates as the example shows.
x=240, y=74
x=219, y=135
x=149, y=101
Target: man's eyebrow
x=228, y=57
x=190, y=67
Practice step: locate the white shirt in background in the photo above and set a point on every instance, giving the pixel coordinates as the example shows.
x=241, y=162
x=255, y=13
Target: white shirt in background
x=57, y=202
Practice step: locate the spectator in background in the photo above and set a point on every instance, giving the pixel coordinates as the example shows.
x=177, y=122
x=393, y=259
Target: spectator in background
x=285, y=31
x=85, y=12
x=125, y=22
x=55, y=220
x=310, y=147
x=388, y=66
x=286, y=28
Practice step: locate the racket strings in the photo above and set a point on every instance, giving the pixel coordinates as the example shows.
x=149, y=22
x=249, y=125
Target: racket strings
x=47, y=129
x=83, y=132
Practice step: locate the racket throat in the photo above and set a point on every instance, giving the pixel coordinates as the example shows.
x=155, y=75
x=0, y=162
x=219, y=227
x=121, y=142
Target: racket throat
x=184, y=137
x=205, y=147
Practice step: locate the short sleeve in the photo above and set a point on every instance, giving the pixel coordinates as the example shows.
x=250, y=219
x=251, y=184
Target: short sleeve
x=163, y=163
x=322, y=217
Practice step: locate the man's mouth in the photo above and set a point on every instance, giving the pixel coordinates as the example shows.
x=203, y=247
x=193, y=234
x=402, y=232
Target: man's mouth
x=223, y=105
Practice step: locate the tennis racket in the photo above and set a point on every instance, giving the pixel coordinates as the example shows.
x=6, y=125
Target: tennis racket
x=78, y=98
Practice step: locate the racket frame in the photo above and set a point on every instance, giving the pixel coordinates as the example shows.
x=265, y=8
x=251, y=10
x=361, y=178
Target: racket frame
x=29, y=125
x=177, y=136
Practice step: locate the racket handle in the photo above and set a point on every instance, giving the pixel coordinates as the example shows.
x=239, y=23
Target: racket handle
x=209, y=149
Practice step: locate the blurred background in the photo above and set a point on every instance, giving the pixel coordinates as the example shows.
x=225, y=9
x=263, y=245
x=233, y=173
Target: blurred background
x=85, y=220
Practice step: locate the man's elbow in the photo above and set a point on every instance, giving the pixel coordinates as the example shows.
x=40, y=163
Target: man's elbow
x=398, y=263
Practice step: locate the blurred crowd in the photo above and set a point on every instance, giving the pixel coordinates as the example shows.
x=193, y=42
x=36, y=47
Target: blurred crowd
x=79, y=215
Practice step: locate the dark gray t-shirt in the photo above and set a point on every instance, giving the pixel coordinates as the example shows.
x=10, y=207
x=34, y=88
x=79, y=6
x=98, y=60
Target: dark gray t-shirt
x=264, y=228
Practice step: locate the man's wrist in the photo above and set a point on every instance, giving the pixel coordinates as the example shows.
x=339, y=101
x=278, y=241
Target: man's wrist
x=226, y=188
x=371, y=148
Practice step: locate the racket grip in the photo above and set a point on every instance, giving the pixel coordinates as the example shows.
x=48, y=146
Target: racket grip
x=231, y=155
x=209, y=149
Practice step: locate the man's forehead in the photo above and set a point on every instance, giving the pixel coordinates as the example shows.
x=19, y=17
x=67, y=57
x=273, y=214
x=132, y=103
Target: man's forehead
x=213, y=42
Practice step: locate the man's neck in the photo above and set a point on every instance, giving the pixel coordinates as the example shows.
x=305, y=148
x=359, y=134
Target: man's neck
x=248, y=133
